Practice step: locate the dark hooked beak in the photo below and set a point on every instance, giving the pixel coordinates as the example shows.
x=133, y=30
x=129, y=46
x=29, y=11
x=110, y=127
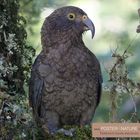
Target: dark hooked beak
x=89, y=26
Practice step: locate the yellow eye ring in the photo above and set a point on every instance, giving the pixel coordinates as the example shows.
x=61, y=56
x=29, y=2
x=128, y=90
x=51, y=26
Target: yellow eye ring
x=71, y=16
x=84, y=17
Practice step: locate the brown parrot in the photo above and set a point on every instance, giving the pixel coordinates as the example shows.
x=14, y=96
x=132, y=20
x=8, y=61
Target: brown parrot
x=65, y=83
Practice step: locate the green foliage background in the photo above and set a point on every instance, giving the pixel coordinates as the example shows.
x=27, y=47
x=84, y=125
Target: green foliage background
x=15, y=64
x=20, y=23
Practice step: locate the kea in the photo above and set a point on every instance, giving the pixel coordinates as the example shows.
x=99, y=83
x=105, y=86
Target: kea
x=65, y=84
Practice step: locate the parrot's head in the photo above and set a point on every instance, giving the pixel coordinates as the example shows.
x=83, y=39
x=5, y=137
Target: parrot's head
x=71, y=20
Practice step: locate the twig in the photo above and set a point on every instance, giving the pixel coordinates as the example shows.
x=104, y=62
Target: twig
x=2, y=107
x=139, y=14
x=130, y=44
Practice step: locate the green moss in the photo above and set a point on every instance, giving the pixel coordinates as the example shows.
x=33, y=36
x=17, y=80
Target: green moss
x=80, y=134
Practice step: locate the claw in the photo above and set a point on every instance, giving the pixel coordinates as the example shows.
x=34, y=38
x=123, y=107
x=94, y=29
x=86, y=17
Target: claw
x=69, y=132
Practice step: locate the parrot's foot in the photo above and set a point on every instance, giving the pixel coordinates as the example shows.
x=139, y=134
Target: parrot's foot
x=69, y=132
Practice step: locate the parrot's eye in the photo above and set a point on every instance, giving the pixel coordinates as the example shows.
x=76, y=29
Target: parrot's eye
x=71, y=16
x=84, y=17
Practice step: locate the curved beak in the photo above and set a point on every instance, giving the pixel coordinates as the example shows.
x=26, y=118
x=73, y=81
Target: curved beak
x=89, y=26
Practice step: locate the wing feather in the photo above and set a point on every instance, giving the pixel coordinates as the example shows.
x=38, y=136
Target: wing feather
x=35, y=88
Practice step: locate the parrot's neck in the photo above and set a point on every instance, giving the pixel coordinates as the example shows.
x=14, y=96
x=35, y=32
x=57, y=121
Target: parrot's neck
x=53, y=38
